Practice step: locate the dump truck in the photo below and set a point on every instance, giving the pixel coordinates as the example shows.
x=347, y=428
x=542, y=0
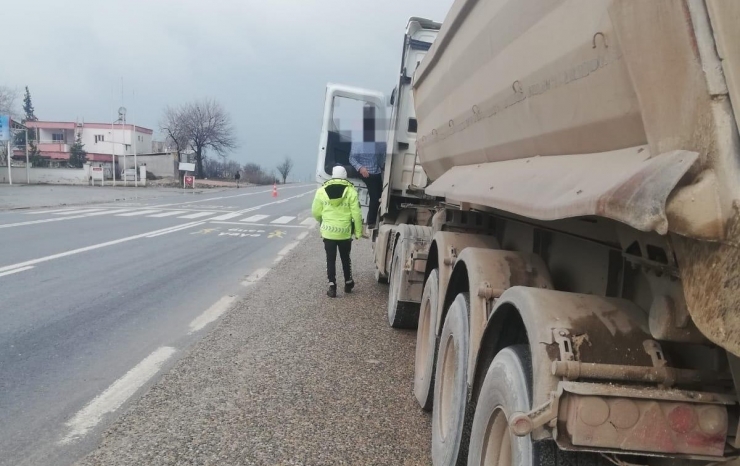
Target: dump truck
x=560, y=222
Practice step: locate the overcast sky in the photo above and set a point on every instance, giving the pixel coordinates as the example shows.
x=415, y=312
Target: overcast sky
x=267, y=62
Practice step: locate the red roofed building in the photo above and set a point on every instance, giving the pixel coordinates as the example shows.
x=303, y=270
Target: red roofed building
x=54, y=140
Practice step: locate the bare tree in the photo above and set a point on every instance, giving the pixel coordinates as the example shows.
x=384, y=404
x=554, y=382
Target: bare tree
x=8, y=98
x=285, y=168
x=208, y=127
x=173, y=125
x=201, y=126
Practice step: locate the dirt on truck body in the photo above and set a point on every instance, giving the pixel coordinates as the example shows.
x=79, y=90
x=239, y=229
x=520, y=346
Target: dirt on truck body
x=570, y=254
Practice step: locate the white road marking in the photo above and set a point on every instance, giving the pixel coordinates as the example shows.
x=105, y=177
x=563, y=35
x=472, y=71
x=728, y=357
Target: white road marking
x=255, y=277
x=309, y=222
x=255, y=218
x=50, y=211
x=283, y=252
x=177, y=228
x=139, y=212
x=302, y=236
x=227, y=216
x=255, y=224
x=169, y=214
x=46, y=220
x=107, y=212
x=271, y=203
x=21, y=269
x=116, y=395
x=230, y=197
x=211, y=314
x=197, y=215
x=283, y=220
x=93, y=247
x=81, y=211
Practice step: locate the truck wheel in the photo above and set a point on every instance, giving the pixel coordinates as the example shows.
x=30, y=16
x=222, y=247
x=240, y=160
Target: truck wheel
x=401, y=314
x=450, y=419
x=507, y=389
x=426, y=343
x=382, y=279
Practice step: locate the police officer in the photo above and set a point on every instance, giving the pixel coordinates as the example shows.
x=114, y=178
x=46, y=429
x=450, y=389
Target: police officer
x=337, y=208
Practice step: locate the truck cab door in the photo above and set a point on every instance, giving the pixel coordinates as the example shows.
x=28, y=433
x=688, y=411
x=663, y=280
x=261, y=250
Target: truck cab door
x=341, y=126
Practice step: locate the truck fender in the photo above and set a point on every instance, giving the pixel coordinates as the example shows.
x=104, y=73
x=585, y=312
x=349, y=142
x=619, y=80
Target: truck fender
x=488, y=273
x=597, y=329
x=443, y=253
x=416, y=240
x=382, y=247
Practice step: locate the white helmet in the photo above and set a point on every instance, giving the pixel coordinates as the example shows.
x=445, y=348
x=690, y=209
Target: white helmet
x=339, y=172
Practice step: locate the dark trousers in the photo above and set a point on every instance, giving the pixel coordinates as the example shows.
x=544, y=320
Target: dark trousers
x=344, y=246
x=374, y=185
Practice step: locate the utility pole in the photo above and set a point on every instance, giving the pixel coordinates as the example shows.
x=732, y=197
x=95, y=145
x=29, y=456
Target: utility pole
x=136, y=139
x=28, y=172
x=10, y=169
x=113, y=152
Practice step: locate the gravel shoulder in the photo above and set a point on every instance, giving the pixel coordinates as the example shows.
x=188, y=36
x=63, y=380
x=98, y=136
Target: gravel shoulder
x=288, y=376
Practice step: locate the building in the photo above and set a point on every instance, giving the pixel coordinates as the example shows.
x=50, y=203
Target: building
x=54, y=140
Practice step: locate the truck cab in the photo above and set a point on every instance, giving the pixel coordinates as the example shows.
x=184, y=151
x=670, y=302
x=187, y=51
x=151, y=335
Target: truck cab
x=395, y=123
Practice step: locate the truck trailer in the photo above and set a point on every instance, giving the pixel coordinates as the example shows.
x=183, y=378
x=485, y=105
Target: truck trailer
x=560, y=222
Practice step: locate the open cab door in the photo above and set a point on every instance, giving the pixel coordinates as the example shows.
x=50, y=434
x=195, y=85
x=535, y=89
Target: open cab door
x=344, y=112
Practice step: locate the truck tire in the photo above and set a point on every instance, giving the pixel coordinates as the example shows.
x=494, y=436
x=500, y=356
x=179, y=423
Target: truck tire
x=380, y=278
x=403, y=314
x=426, y=343
x=507, y=389
x=451, y=418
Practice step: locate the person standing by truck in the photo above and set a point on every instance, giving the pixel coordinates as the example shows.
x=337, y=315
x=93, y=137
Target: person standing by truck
x=337, y=209
x=368, y=158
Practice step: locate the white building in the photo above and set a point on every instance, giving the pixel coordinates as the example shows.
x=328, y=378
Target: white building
x=101, y=140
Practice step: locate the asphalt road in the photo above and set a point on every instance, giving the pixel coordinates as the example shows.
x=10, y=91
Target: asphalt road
x=287, y=377
x=97, y=301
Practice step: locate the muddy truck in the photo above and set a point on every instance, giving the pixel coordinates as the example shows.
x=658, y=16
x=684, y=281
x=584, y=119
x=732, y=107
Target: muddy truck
x=560, y=221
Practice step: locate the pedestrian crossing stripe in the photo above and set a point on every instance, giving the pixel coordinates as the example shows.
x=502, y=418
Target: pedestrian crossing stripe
x=138, y=212
x=283, y=220
x=254, y=218
x=79, y=211
x=228, y=216
x=169, y=214
x=216, y=216
x=197, y=215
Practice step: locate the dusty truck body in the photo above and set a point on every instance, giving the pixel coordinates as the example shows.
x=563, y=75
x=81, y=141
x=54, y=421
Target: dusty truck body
x=570, y=254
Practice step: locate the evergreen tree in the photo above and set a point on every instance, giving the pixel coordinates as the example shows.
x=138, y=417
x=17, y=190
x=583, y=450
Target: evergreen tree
x=28, y=107
x=77, y=154
x=30, y=115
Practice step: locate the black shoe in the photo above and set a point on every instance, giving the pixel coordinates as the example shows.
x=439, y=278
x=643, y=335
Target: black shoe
x=348, y=286
x=332, y=292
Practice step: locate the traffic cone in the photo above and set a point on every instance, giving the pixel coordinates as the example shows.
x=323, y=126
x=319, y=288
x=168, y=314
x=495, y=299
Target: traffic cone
x=274, y=190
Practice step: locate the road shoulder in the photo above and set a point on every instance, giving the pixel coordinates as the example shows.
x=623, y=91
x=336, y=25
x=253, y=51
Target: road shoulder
x=287, y=377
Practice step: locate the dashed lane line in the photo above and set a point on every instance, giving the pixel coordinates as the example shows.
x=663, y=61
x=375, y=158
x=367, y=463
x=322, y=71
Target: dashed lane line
x=211, y=314
x=116, y=395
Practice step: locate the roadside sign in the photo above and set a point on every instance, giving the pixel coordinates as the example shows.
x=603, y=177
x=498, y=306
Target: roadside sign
x=187, y=167
x=97, y=174
x=4, y=128
x=189, y=181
